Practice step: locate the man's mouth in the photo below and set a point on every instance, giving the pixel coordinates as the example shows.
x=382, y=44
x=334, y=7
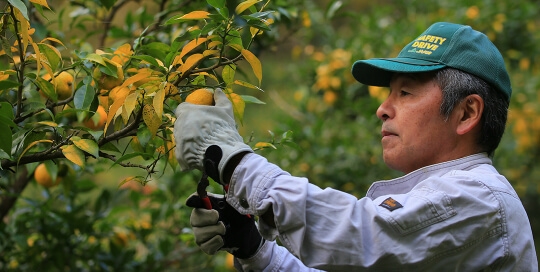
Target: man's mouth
x=385, y=133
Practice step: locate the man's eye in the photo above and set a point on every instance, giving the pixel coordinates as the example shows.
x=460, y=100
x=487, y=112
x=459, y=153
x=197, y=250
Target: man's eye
x=404, y=93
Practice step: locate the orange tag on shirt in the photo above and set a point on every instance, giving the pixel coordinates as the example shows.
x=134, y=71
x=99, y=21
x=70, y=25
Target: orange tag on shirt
x=391, y=204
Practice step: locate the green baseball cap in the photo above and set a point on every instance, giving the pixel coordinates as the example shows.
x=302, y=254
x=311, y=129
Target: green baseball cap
x=441, y=45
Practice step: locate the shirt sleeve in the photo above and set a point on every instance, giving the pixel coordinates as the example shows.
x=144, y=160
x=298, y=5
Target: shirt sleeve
x=272, y=258
x=315, y=225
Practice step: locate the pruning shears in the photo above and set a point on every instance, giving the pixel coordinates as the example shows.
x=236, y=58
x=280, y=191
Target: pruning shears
x=203, y=195
x=201, y=191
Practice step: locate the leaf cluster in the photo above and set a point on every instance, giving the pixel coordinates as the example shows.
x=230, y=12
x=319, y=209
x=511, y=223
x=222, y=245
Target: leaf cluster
x=138, y=83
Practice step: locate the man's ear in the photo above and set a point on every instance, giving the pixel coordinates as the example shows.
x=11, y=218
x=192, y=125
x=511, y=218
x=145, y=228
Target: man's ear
x=470, y=110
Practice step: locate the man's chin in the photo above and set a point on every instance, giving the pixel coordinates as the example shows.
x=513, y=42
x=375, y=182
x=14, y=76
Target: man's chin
x=393, y=163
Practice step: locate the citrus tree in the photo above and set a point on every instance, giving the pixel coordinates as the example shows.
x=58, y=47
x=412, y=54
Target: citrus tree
x=98, y=96
x=63, y=107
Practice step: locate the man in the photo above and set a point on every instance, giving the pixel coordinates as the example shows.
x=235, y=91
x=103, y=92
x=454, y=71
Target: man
x=442, y=121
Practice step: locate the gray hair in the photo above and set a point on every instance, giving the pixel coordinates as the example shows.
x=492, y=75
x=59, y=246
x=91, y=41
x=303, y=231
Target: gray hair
x=456, y=85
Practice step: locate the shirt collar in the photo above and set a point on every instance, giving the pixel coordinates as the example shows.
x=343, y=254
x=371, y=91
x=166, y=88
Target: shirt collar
x=405, y=183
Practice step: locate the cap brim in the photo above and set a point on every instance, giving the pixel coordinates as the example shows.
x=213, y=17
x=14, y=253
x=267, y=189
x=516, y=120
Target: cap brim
x=378, y=72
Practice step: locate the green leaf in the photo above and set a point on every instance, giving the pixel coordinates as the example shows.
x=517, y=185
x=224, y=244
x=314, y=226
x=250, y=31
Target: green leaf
x=51, y=54
x=18, y=4
x=109, y=147
x=224, y=12
x=8, y=84
x=157, y=50
x=96, y=134
x=83, y=97
x=47, y=87
x=234, y=40
x=228, y=73
x=149, y=59
x=258, y=24
x=144, y=135
x=4, y=155
x=87, y=145
x=218, y=4
x=189, y=35
x=209, y=27
x=108, y=3
x=7, y=121
x=251, y=99
x=6, y=110
x=6, y=139
x=95, y=58
x=6, y=46
x=109, y=69
x=52, y=169
x=247, y=84
x=257, y=15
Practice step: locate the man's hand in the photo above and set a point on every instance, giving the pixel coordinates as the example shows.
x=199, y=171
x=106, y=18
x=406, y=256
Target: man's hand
x=197, y=127
x=223, y=228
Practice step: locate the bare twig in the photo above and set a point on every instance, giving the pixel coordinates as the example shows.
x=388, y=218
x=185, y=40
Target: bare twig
x=130, y=129
x=20, y=70
x=124, y=164
x=107, y=21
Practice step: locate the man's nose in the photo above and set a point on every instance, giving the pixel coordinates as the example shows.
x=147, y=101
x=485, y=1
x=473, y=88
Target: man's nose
x=383, y=112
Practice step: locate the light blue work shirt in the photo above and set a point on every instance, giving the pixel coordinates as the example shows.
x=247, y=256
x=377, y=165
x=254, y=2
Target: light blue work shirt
x=460, y=215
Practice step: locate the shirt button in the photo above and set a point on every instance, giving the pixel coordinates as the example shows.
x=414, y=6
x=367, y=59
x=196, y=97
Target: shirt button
x=244, y=203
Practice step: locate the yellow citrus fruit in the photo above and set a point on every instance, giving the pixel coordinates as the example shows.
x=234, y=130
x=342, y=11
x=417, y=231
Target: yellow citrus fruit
x=63, y=84
x=103, y=100
x=98, y=120
x=201, y=97
x=108, y=82
x=120, y=239
x=43, y=177
x=229, y=261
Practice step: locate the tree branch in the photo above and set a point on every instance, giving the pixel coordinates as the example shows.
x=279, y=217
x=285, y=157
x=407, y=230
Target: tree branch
x=8, y=200
x=20, y=71
x=107, y=21
x=48, y=155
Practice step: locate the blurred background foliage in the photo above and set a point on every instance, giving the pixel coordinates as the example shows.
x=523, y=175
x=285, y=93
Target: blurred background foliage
x=88, y=223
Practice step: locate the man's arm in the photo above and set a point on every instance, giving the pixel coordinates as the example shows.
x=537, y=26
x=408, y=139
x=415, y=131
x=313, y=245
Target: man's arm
x=268, y=216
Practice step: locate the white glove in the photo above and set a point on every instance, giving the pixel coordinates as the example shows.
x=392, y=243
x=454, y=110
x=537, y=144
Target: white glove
x=223, y=228
x=197, y=127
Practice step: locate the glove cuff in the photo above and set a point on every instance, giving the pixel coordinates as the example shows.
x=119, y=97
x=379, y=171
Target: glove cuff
x=228, y=153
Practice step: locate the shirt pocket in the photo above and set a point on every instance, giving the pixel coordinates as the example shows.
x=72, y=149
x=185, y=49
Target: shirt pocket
x=422, y=207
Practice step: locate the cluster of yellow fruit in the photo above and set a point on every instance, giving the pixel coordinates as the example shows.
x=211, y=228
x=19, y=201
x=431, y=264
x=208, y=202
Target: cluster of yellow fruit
x=63, y=84
x=98, y=120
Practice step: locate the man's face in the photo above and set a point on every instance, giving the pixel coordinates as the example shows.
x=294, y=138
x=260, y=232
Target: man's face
x=414, y=133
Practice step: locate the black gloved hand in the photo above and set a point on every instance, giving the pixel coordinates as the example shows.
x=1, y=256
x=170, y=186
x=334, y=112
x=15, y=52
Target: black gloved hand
x=211, y=160
x=223, y=228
